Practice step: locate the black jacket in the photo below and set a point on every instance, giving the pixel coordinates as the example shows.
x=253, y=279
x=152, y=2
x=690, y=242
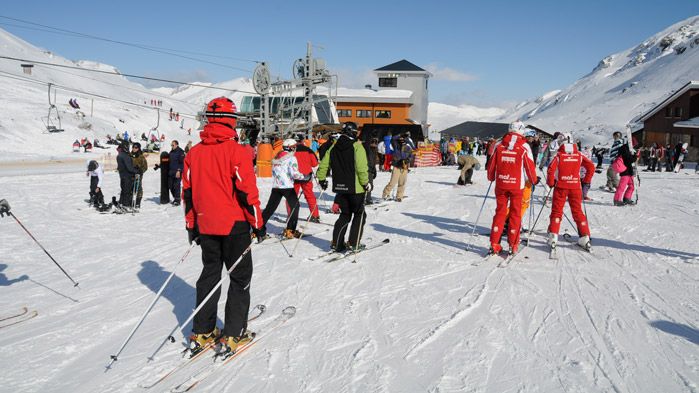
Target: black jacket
x=176, y=161
x=371, y=159
x=629, y=159
x=125, y=165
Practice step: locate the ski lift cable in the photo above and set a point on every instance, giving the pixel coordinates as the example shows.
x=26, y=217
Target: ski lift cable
x=154, y=94
x=157, y=49
x=125, y=75
x=73, y=90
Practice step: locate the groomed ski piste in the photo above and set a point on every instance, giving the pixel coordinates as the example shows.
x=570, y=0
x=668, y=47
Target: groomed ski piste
x=412, y=316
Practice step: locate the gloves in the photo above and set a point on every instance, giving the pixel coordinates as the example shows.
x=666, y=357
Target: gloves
x=260, y=233
x=323, y=184
x=193, y=235
x=156, y=167
x=368, y=187
x=4, y=208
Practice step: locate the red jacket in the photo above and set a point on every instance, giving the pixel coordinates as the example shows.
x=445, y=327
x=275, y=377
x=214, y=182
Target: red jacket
x=306, y=158
x=219, y=183
x=511, y=162
x=564, y=169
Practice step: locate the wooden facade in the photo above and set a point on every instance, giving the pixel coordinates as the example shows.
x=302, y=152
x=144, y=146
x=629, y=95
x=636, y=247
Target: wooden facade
x=663, y=124
x=373, y=113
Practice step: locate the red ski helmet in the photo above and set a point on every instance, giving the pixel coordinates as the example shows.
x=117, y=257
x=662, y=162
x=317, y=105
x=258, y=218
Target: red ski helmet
x=222, y=110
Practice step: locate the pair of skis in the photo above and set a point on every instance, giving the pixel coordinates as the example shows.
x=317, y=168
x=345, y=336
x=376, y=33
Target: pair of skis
x=21, y=316
x=209, y=368
x=334, y=256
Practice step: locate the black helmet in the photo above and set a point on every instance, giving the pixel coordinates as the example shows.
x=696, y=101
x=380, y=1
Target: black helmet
x=136, y=144
x=349, y=128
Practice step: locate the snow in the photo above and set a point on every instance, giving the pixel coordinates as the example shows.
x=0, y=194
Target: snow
x=621, y=87
x=442, y=116
x=413, y=315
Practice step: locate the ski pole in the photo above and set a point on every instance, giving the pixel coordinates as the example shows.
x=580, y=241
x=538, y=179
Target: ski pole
x=303, y=230
x=539, y=215
x=485, y=198
x=361, y=230
x=201, y=305
x=75, y=284
x=115, y=357
x=325, y=203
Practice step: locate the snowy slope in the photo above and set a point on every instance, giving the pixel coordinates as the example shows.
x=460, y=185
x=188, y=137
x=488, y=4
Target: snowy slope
x=413, y=316
x=443, y=116
x=621, y=87
x=24, y=101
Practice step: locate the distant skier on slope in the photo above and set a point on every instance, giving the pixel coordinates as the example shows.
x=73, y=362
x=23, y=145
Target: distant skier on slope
x=564, y=174
x=221, y=203
x=510, y=165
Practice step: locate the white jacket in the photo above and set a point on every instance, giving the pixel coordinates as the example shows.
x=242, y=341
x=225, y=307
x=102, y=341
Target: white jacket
x=99, y=173
x=285, y=169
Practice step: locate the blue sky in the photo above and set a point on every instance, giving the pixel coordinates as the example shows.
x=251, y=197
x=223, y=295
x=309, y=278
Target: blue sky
x=484, y=53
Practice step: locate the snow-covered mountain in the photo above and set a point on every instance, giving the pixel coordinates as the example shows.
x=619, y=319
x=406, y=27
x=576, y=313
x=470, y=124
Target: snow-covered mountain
x=119, y=104
x=620, y=88
x=442, y=116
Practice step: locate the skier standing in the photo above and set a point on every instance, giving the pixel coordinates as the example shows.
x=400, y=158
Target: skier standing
x=626, y=187
x=510, y=165
x=126, y=173
x=285, y=171
x=612, y=176
x=141, y=165
x=347, y=159
x=307, y=161
x=221, y=204
x=95, y=172
x=175, y=171
x=564, y=174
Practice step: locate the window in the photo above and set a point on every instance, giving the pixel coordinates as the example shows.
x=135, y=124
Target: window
x=383, y=114
x=344, y=112
x=363, y=113
x=678, y=112
x=668, y=112
x=388, y=82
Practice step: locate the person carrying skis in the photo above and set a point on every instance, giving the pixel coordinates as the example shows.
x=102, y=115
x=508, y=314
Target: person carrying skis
x=564, y=174
x=141, y=165
x=306, y=160
x=347, y=158
x=510, y=166
x=221, y=204
x=126, y=174
x=285, y=171
x=95, y=173
x=612, y=176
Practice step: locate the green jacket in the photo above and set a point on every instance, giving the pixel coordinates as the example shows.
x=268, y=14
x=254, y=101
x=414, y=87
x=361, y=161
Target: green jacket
x=347, y=159
x=140, y=163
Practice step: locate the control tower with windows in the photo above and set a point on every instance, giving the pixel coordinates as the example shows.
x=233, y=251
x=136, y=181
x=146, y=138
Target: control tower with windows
x=404, y=75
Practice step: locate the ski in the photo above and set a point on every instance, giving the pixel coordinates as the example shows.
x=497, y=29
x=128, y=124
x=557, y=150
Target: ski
x=279, y=219
x=261, y=308
x=210, y=369
x=19, y=319
x=346, y=254
x=488, y=256
x=19, y=314
x=508, y=259
x=553, y=253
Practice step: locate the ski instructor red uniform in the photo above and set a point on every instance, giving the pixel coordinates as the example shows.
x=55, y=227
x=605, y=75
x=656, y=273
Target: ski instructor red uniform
x=221, y=206
x=511, y=161
x=564, y=174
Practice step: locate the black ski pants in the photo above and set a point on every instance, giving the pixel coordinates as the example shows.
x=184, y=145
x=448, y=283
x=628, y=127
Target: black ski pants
x=96, y=197
x=126, y=190
x=351, y=209
x=173, y=183
x=275, y=198
x=217, y=251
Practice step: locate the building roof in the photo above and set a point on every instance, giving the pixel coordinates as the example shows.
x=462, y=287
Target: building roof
x=691, y=123
x=403, y=65
x=393, y=96
x=689, y=86
x=477, y=129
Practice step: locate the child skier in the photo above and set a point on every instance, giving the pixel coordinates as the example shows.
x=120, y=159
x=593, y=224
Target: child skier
x=285, y=169
x=564, y=174
x=510, y=165
x=95, y=172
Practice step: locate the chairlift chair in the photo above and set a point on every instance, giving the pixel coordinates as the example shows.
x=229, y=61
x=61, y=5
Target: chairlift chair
x=50, y=125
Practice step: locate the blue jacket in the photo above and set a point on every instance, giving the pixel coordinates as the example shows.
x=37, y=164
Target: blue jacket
x=387, y=143
x=176, y=161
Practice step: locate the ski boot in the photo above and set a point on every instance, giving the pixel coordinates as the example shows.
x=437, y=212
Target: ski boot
x=291, y=233
x=494, y=249
x=352, y=248
x=552, y=242
x=341, y=248
x=227, y=345
x=584, y=243
x=618, y=203
x=315, y=220
x=513, y=250
x=627, y=201
x=202, y=341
